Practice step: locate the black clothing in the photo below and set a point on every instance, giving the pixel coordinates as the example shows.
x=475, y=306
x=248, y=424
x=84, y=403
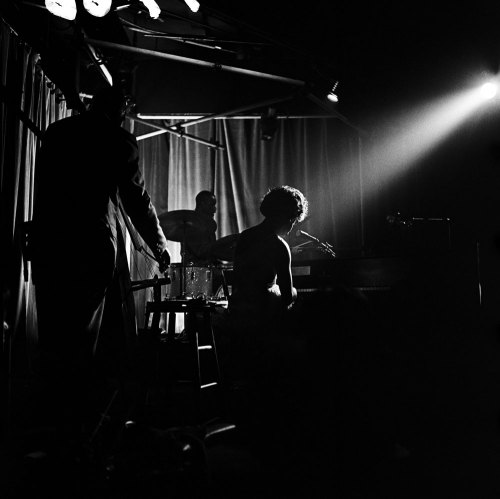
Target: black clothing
x=199, y=241
x=86, y=164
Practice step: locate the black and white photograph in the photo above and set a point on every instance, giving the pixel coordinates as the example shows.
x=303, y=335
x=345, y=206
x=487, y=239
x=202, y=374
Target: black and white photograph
x=250, y=250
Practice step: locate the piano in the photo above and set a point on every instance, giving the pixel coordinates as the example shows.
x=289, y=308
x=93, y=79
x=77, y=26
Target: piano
x=450, y=277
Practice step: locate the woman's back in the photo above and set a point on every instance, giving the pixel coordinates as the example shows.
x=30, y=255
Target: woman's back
x=254, y=288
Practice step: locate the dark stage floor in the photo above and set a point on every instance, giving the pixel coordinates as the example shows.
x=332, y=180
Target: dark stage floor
x=375, y=402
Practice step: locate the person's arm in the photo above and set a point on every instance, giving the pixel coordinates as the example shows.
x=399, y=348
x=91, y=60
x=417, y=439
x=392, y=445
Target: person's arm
x=284, y=274
x=137, y=203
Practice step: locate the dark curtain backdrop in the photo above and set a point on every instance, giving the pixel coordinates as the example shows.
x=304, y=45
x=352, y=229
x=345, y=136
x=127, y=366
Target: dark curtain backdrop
x=29, y=102
x=321, y=157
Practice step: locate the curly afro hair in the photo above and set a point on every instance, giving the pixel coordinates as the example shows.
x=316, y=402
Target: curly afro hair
x=284, y=201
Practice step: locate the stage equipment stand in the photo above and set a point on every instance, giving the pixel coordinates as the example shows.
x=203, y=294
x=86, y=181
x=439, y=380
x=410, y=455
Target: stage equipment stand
x=194, y=365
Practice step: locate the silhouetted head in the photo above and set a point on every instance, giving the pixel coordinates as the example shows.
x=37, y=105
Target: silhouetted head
x=206, y=203
x=113, y=102
x=284, y=202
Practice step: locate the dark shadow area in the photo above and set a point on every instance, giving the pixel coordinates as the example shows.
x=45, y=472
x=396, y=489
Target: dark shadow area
x=363, y=393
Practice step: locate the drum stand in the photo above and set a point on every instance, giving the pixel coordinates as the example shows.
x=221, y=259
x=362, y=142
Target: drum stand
x=192, y=360
x=183, y=295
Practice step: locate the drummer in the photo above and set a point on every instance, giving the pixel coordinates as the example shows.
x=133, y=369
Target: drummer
x=202, y=248
x=199, y=240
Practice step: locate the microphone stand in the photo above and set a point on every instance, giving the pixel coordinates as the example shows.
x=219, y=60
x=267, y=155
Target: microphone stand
x=327, y=248
x=182, y=283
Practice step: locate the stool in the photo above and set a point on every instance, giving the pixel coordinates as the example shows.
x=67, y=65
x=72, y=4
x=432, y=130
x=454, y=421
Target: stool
x=197, y=341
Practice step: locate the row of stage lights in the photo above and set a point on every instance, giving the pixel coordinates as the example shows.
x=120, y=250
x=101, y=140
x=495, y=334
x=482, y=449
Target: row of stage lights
x=67, y=9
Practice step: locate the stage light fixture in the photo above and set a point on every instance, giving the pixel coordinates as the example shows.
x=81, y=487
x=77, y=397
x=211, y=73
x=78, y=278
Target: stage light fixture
x=268, y=124
x=332, y=96
x=97, y=8
x=153, y=8
x=193, y=5
x=62, y=8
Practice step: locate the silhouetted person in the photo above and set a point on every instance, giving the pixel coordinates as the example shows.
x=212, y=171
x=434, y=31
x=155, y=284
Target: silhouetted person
x=261, y=365
x=262, y=286
x=262, y=280
x=200, y=237
x=87, y=164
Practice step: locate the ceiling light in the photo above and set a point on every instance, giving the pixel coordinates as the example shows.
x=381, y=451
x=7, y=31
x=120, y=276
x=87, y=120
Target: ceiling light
x=332, y=96
x=62, y=8
x=152, y=6
x=98, y=8
x=268, y=124
x=193, y=5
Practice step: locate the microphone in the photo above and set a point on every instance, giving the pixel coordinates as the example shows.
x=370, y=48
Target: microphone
x=306, y=235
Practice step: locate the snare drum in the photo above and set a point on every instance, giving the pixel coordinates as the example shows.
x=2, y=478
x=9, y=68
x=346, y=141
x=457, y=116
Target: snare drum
x=198, y=281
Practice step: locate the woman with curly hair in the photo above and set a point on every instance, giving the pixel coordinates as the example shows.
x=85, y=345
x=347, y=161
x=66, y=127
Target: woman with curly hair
x=262, y=278
x=262, y=292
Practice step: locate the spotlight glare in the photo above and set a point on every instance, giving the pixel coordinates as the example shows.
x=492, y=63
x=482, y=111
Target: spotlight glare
x=98, y=8
x=62, y=8
x=488, y=90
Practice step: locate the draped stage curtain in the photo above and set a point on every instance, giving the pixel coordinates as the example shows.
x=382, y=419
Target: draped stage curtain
x=320, y=156
x=29, y=103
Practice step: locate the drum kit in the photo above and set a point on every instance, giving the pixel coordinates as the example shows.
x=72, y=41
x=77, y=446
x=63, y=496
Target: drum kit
x=195, y=281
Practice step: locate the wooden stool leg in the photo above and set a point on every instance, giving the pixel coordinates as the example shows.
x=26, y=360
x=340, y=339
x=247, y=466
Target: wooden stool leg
x=198, y=342
x=209, y=334
x=171, y=325
x=191, y=328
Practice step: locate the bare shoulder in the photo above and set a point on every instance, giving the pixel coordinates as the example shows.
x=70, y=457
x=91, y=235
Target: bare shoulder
x=282, y=246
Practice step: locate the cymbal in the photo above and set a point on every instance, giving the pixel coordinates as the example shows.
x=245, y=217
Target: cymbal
x=176, y=223
x=224, y=247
